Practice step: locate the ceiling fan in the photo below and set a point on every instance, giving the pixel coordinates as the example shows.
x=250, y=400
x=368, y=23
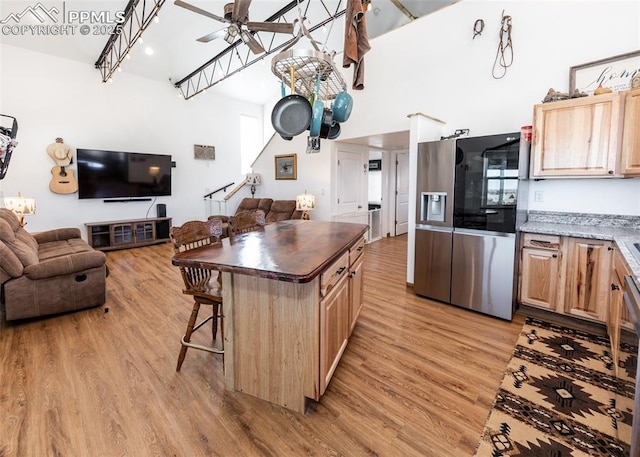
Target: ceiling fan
x=236, y=14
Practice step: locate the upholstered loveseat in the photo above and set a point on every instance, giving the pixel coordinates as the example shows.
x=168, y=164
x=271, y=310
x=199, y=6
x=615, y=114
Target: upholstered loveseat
x=49, y=272
x=274, y=210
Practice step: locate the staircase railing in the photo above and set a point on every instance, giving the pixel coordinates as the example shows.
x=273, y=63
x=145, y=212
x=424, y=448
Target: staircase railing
x=220, y=206
x=223, y=188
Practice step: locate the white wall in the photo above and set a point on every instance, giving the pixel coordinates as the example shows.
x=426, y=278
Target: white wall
x=434, y=66
x=313, y=173
x=53, y=97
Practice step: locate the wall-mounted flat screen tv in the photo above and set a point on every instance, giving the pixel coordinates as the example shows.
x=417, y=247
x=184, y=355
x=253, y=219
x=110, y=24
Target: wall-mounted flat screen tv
x=113, y=174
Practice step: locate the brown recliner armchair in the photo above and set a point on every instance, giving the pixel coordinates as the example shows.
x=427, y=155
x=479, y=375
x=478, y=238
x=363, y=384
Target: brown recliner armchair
x=49, y=272
x=274, y=210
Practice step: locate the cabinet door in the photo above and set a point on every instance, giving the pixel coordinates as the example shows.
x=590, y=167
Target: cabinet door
x=631, y=134
x=356, y=297
x=334, y=322
x=121, y=234
x=539, y=280
x=144, y=231
x=620, y=270
x=588, y=278
x=577, y=137
x=616, y=304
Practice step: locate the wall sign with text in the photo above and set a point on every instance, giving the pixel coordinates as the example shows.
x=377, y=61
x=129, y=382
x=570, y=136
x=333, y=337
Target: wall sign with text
x=615, y=73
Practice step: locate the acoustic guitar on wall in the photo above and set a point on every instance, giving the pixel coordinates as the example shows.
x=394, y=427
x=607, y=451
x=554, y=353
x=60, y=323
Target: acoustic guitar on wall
x=62, y=179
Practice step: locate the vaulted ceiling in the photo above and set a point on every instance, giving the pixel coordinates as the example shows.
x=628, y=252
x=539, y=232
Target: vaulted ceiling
x=169, y=50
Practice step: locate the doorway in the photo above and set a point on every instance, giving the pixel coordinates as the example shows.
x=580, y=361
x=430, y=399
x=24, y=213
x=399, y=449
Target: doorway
x=401, y=179
x=385, y=184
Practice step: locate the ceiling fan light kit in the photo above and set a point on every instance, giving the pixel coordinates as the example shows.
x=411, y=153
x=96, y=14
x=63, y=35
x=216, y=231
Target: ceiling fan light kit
x=236, y=14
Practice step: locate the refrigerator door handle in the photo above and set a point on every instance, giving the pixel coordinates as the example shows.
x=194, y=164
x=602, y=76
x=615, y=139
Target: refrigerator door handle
x=483, y=232
x=434, y=228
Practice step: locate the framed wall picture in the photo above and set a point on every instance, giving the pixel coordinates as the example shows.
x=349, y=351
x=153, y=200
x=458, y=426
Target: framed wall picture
x=615, y=73
x=286, y=166
x=204, y=152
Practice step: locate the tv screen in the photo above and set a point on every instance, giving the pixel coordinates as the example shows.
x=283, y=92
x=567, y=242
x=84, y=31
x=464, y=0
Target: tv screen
x=113, y=174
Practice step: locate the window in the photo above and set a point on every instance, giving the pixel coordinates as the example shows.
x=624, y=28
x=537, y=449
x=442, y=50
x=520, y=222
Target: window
x=501, y=182
x=250, y=142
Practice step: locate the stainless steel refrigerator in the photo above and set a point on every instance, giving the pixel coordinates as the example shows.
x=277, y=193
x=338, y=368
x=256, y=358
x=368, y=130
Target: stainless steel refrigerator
x=471, y=199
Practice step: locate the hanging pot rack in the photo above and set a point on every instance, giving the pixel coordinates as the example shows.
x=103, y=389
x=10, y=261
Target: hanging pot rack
x=307, y=65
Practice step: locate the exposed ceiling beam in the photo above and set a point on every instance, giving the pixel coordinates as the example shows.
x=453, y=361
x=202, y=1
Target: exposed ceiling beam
x=137, y=17
x=235, y=58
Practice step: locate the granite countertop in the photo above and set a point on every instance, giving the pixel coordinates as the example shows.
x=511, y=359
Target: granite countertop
x=623, y=230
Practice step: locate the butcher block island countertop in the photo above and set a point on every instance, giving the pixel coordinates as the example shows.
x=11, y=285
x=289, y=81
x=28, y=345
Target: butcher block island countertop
x=291, y=295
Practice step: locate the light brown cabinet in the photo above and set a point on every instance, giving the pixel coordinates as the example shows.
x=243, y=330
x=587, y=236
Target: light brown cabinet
x=356, y=283
x=341, y=288
x=630, y=156
x=578, y=137
x=587, y=283
x=540, y=270
x=618, y=313
x=619, y=317
x=334, y=318
x=566, y=275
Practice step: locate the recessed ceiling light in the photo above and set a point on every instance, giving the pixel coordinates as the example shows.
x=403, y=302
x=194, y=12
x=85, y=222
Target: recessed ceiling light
x=148, y=51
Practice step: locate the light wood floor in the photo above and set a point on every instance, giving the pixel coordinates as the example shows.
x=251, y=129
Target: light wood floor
x=417, y=378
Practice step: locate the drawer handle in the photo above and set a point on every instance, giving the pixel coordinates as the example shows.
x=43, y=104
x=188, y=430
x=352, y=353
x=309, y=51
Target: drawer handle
x=541, y=241
x=352, y=274
x=340, y=270
x=360, y=248
x=555, y=256
x=614, y=287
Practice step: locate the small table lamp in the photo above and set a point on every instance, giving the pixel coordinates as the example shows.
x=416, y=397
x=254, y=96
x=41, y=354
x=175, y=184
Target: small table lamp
x=305, y=203
x=254, y=180
x=20, y=206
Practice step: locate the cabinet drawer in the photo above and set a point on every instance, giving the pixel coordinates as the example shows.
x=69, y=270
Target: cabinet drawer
x=536, y=240
x=356, y=251
x=333, y=273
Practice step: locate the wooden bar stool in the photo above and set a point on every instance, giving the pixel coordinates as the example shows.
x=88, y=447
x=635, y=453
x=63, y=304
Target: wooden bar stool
x=246, y=221
x=204, y=285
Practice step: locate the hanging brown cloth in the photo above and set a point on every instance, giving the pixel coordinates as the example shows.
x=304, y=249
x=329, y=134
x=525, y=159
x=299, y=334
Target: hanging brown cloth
x=356, y=42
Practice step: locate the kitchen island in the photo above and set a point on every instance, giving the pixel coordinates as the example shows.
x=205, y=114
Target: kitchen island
x=291, y=294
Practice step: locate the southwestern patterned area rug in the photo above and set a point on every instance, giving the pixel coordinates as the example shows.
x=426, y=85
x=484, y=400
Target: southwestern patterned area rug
x=560, y=397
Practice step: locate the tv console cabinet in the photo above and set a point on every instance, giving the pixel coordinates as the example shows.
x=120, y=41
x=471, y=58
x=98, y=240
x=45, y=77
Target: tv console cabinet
x=132, y=233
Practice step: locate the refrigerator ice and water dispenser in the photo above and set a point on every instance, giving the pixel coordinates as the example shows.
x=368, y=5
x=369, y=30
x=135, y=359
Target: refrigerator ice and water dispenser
x=433, y=206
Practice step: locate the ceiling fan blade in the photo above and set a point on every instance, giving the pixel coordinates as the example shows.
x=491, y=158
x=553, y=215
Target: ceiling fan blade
x=253, y=44
x=241, y=10
x=212, y=36
x=276, y=27
x=195, y=9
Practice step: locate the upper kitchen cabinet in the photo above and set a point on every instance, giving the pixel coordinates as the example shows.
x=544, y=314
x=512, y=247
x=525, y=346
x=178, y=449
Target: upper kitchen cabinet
x=630, y=163
x=577, y=137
